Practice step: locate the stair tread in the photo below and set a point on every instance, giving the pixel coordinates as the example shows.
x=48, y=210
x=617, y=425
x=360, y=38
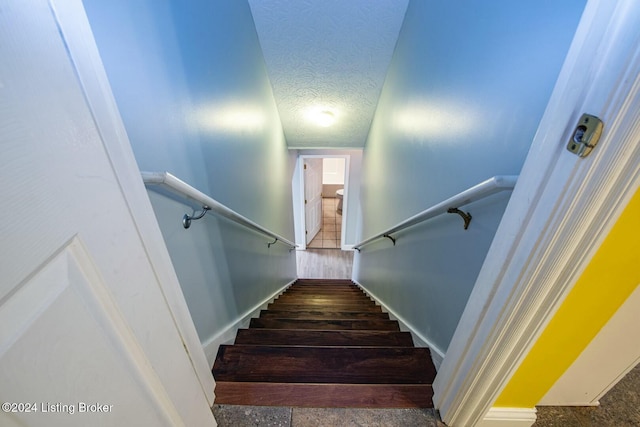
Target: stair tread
x=299, y=337
x=325, y=395
x=322, y=281
x=324, y=304
x=328, y=298
x=339, y=291
x=278, y=306
x=322, y=314
x=324, y=285
x=356, y=365
x=326, y=292
x=324, y=288
x=326, y=324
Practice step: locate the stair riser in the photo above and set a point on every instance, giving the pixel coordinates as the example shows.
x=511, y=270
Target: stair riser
x=328, y=292
x=323, y=286
x=287, y=337
x=326, y=286
x=314, y=307
x=381, y=365
x=322, y=281
x=326, y=302
x=379, y=325
x=330, y=295
x=324, y=395
x=337, y=315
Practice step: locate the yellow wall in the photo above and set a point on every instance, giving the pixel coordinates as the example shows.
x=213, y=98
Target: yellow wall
x=611, y=276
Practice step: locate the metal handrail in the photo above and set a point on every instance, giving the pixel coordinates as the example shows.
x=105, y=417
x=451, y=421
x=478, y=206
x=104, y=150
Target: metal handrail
x=486, y=188
x=180, y=187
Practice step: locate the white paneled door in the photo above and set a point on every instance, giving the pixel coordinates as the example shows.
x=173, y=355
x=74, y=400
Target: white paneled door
x=312, y=196
x=87, y=337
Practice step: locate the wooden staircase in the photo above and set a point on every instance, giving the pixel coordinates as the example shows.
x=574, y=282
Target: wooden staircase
x=324, y=343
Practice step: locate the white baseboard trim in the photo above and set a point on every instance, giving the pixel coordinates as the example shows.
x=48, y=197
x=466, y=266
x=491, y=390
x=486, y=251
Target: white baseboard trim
x=418, y=339
x=228, y=334
x=509, y=417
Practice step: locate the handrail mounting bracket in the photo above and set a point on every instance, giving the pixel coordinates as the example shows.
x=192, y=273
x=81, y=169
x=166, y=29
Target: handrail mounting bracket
x=390, y=238
x=186, y=219
x=466, y=216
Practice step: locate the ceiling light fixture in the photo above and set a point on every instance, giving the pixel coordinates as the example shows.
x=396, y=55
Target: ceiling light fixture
x=325, y=118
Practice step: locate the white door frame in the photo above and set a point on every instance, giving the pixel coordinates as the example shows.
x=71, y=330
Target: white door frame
x=300, y=218
x=77, y=33
x=560, y=211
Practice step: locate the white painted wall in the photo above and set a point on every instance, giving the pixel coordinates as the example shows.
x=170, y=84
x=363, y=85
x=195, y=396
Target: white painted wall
x=191, y=85
x=464, y=93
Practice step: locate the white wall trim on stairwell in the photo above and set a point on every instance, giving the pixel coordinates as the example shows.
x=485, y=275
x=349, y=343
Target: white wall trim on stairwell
x=228, y=334
x=437, y=355
x=560, y=211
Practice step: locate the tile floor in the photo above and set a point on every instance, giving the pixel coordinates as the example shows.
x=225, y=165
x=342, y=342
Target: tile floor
x=262, y=416
x=331, y=231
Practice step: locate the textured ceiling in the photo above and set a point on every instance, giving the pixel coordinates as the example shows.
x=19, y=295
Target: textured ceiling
x=327, y=55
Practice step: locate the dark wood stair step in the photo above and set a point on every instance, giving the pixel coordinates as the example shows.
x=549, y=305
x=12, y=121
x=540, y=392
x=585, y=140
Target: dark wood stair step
x=326, y=282
x=325, y=395
x=324, y=301
x=324, y=285
x=323, y=282
x=341, y=293
x=355, y=365
x=321, y=314
x=300, y=337
x=325, y=297
x=324, y=288
x=325, y=324
x=315, y=307
x=327, y=286
x=326, y=294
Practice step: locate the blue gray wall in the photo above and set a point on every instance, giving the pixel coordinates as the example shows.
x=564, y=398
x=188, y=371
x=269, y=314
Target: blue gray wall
x=191, y=85
x=467, y=86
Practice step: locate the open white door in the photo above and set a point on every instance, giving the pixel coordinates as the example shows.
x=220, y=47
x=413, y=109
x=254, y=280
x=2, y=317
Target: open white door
x=86, y=333
x=312, y=196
